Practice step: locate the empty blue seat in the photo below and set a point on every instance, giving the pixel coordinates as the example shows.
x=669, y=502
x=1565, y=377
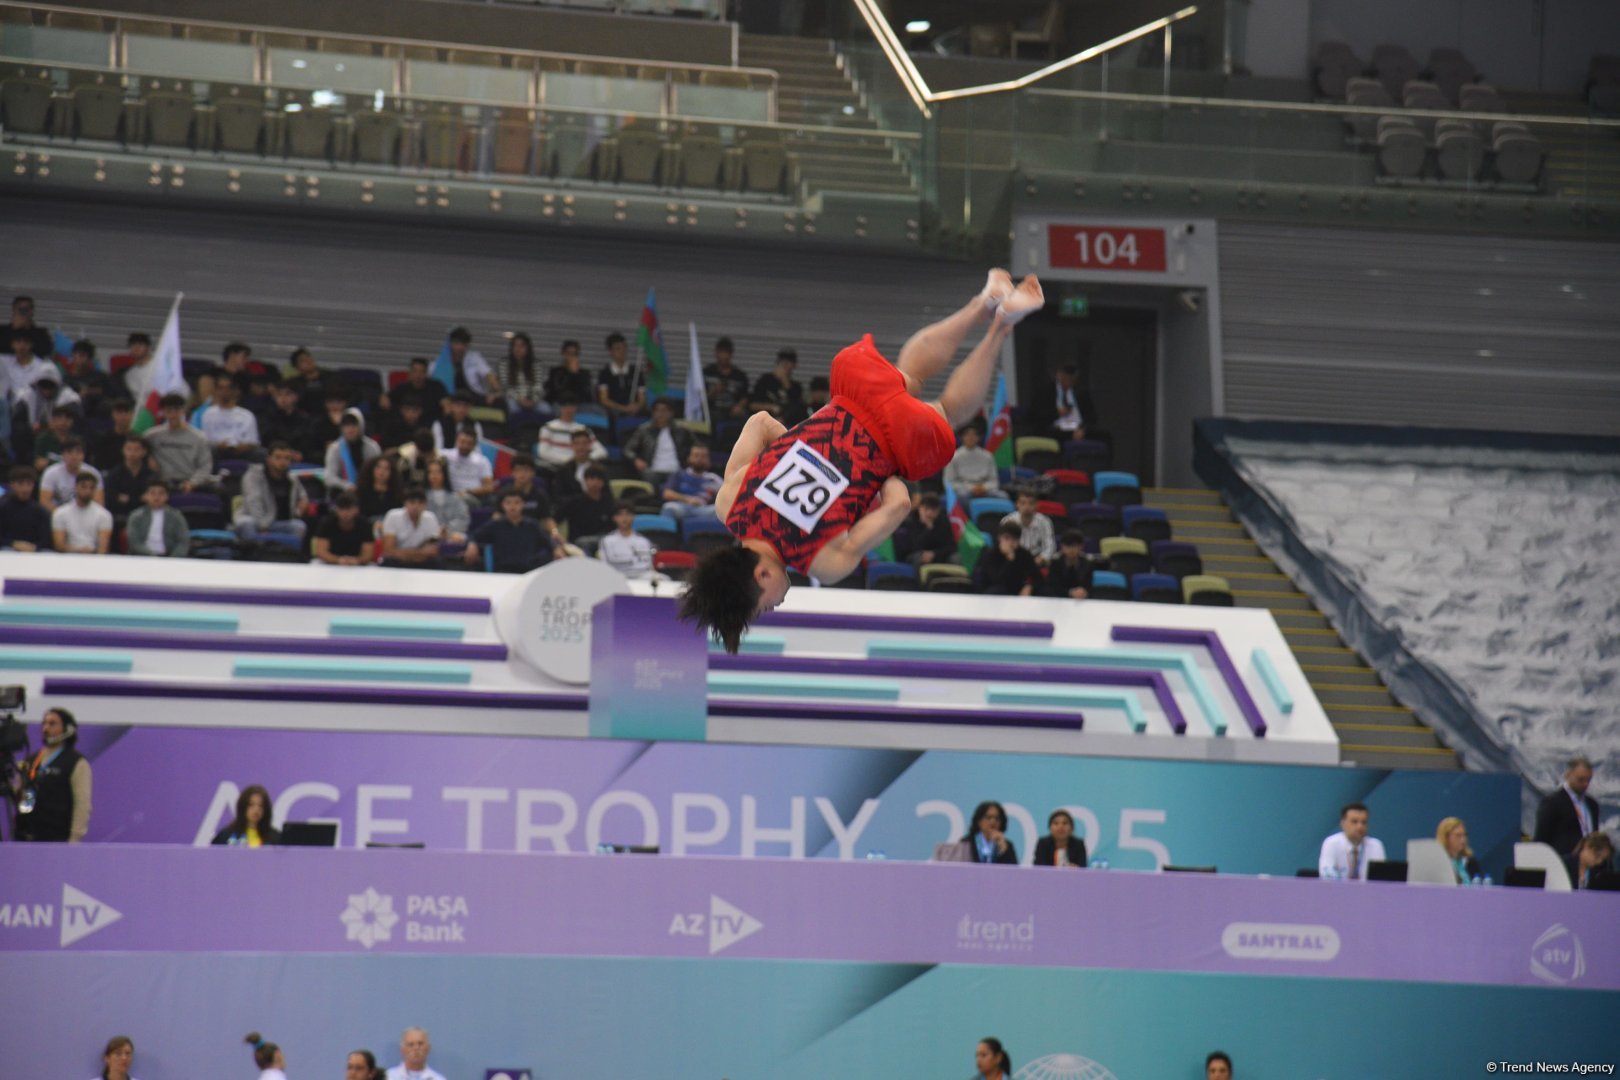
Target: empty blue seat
x=624, y=425
x=1011, y=475
x=1109, y=585
x=1094, y=520
x=1177, y=559
x=594, y=421
x=657, y=522
x=1145, y=523
x=989, y=505
x=693, y=526
x=1102, y=481
x=1156, y=588
x=891, y=575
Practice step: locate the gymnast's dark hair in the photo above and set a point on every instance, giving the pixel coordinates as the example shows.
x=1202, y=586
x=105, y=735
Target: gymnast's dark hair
x=264, y=1053
x=721, y=594
x=1002, y=1060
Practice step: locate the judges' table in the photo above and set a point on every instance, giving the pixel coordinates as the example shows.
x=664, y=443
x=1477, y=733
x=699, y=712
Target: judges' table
x=232, y=925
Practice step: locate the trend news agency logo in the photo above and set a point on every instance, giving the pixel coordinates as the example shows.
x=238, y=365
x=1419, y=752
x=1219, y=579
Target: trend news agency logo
x=370, y=917
x=1557, y=956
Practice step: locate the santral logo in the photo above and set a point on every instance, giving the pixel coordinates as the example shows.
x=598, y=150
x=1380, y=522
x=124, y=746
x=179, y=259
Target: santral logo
x=1557, y=956
x=1280, y=941
x=725, y=924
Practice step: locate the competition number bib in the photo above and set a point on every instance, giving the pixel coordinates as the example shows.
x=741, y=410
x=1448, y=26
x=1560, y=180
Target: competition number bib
x=802, y=486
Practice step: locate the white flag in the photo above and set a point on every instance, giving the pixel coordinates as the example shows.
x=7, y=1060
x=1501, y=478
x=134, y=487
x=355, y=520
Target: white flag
x=161, y=374
x=697, y=394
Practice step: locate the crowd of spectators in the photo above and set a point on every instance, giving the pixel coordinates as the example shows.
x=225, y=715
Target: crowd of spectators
x=118, y=1058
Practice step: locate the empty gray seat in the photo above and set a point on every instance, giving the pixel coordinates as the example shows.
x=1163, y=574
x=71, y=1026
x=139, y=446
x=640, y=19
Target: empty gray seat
x=1459, y=153
x=515, y=142
x=701, y=161
x=1335, y=64
x=1365, y=93
x=239, y=119
x=1451, y=71
x=170, y=117
x=442, y=136
x=639, y=156
x=1402, y=149
x=376, y=137
x=1480, y=97
x=1417, y=94
x=1394, y=67
x=309, y=133
x=1603, y=83
x=767, y=167
x=1518, y=155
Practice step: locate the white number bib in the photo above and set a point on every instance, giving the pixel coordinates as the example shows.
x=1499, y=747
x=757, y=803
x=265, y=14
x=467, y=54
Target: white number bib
x=802, y=486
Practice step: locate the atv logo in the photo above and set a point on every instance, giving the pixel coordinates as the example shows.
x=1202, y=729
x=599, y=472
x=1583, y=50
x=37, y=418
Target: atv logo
x=725, y=924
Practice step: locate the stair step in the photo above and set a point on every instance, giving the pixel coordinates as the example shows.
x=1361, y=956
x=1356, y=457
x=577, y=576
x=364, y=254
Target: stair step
x=1195, y=512
x=1311, y=635
x=1375, y=757
x=1387, y=736
x=1339, y=675
x=1378, y=716
x=1234, y=545
x=1258, y=579
x=1335, y=694
x=1327, y=658
x=1260, y=598
x=870, y=187
x=1291, y=620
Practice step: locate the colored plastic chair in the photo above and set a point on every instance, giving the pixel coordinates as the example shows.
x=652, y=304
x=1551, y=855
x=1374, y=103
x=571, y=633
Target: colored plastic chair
x=661, y=531
x=637, y=491
x=1070, y=486
x=1206, y=590
x=1094, y=520
x=1109, y=585
x=1117, y=488
x=1145, y=523
x=624, y=425
x=1037, y=452
x=1010, y=476
x=932, y=572
x=1177, y=559
x=1086, y=455
x=1156, y=589
x=901, y=577
x=1125, y=555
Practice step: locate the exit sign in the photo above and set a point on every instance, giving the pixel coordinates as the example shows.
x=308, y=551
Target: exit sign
x=1074, y=307
x=1105, y=247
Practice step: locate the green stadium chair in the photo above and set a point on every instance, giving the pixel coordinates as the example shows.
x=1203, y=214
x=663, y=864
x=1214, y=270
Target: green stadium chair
x=1207, y=590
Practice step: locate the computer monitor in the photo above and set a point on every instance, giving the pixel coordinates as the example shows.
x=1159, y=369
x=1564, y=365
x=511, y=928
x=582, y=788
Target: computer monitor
x=1386, y=870
x=1526, y=877
x=309, y=834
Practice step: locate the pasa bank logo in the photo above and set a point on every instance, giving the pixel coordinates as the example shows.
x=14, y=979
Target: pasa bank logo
x=370, y=917
x=1557, y=956
x=991, y=936
x=725, y=924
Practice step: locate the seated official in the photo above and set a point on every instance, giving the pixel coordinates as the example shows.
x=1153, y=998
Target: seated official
x=518, y=544
x=251, y=827
x=1346, y=853
x=1591, y=866
x=988, y=836
x=1060, y=847
x=1453, y=836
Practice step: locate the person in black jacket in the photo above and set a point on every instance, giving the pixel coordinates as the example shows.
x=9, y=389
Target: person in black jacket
x=1069, y=575
x=1007, y=569
x=1592, y=864
x=1060, y=847
x=251, y=827
x=53, y=800
x=24, y=524
x=987, y=839
x=926, y=536
x=1567, y=815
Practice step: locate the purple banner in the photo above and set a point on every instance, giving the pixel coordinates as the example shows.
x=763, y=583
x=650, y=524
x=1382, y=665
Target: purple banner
x=292, y=900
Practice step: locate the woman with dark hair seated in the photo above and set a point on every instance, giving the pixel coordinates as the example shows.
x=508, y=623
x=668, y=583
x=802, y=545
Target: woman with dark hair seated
x=251, y=827
x=118, y=1058
x=987, y=838
x=991, y=1059
x=267, y=1056
x=362, y=1065
x=1060, y=847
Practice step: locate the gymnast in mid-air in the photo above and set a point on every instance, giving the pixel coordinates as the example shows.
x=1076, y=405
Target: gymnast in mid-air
x=818, y=497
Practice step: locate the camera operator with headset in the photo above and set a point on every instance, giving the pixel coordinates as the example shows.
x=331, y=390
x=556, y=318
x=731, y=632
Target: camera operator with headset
x=52, y=787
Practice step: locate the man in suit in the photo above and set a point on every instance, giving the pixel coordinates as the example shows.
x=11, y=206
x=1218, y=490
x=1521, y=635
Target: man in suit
x=1346, y=853
x=1567, y=815
x=1060, y=847
x=1592, y=864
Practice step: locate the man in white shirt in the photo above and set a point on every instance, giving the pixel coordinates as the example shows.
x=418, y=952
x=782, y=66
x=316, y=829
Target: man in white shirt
x=456, y=416
x=410, y=534
x=83, y=526
x=1037, y=537
x=474, y=369
x=1346, y=853
x=21, y=367
x=57, y=485
x=555, y=446
x=624, y=549
x=414, y=1047
x=471, y=475
x=972, y=472
x=231, y=430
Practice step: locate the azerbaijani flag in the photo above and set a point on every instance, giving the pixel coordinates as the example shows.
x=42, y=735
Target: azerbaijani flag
x=969, y=540
x=500, y=457
x=999, y=442
x=444, y=369
x=163, y=373
x=650, y=340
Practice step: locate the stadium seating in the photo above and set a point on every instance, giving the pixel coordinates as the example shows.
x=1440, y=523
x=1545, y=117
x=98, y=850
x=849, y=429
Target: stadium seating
x=1109, y=585
x=1120, y=489
x=1094, y=520
x=1208, y=590
x=1125, y=555
x=1156, y=589
x=892, y=575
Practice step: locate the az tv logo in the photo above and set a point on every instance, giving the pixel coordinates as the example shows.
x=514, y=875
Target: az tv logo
x=83, y=915
x=726, y=924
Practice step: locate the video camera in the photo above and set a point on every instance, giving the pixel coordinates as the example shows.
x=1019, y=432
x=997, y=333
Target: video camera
x=13, y=732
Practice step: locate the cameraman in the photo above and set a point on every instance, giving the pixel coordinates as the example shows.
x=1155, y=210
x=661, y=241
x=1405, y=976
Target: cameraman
x=53, y=801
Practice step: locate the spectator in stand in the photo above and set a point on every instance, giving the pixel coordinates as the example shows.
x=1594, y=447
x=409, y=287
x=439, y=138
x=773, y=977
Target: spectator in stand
x=458, y=415
x=156, y=528
x=131, y=367
x=1036, y=527
x=56, y=784
x=415, y=456
x=118, y=1059
x=568, y=379
x=410, y=535
x=727, y=384
x=48, y=442
x=286, y=422
x=1591, y=865
x=40, y=340
x=236, y=364
x=778, y=392
x=518, y=543
x=819, y=394
x=181, y=454
x=1069, y=575
x=87, y=380
x=25, y=367
x=107, y=448
x=526, y=483
x=471, y=474
x=555, y=445
x=329, y=418
x=589, y=514
x=59, y=482
x=624, y=549
x=1217, y=1066
x=1569, y=814
x=267, y=1056
x=658, y=447
x=347, y=458
x=1007, y=569
x=379, y=489
x=25, y=525
x=231, y=430
x=414, y=1048
x=273, y=499
x=451, y=509
x=926, y=535
x=521, y=378
x=972, y=471
x=689, y=494
x=570, y=478
x=251, y=827
x=988, y=836
x=313, y=384
x=33, y=413
x=1062, y=415
x=1346, y=853
x=125, y=486
x=473, y=374
x=1453, y=836
x=342, y=538
x=200, y=398
x=397, y=427
x=257, y=399
x=1060, y=847
x=618, y=387
x=82, y=526
x=419, y=386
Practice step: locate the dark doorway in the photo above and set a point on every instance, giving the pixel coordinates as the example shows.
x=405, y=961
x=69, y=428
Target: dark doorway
x=1115, y=351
